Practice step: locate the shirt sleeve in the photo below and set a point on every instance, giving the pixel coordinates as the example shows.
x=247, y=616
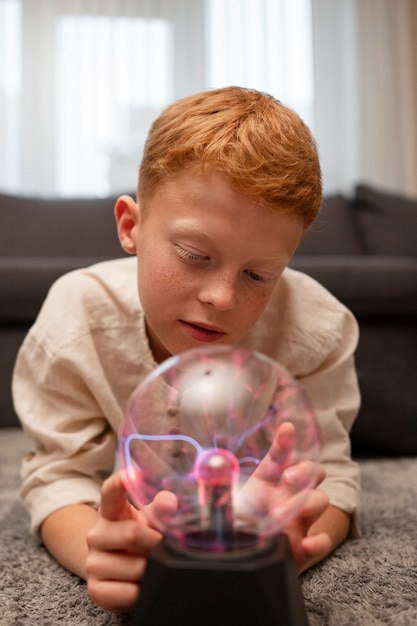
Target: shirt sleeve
x=74, y=373
x=334, y=392
x=55, y=398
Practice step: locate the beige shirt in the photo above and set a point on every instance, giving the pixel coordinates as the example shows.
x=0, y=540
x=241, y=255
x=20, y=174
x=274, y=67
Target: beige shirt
x=88, y=350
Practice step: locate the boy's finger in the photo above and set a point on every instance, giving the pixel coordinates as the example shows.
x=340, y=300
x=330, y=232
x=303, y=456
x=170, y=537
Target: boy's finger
x=314, y=545
x=302, y=474
x=126, y=536
x=304, y=510
x=160, y=512
x=113, y=595
x=113, y=498
x=279, y=455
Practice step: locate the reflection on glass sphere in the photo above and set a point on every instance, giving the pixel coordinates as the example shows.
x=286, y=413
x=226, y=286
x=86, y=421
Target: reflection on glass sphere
x=224, y=443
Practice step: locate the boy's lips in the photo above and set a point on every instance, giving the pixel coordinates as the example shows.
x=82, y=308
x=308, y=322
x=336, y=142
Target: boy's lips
x=202, y=332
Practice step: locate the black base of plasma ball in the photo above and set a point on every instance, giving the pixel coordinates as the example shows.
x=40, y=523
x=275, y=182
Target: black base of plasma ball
x=259, y=588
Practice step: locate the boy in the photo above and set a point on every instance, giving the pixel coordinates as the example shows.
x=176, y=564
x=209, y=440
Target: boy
x=230, y=181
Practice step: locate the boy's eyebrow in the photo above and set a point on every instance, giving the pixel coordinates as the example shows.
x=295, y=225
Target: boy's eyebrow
x=188, y=228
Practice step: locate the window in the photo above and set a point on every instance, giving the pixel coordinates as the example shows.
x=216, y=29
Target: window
x=264, y=44
x=81, y=82
x=112, y=77
x=10, y=91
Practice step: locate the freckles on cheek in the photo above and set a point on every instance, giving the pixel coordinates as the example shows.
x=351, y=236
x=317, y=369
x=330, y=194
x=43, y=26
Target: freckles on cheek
x=252, y=309
x=169, y=279
x=248, y=316
x=259, y=302
x=165, y=280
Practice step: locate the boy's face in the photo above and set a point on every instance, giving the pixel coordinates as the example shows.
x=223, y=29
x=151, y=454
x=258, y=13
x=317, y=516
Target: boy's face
x=208, y=260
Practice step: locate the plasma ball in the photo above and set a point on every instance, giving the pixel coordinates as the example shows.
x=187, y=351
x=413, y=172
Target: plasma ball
x=209, y=425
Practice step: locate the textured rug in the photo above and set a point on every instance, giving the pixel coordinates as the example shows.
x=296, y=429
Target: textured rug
x=367, y=582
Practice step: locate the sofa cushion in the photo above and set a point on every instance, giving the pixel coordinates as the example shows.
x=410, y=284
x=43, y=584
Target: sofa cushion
x=371, y=285
x=334, y=231
x=58, y=227
x=388, y=222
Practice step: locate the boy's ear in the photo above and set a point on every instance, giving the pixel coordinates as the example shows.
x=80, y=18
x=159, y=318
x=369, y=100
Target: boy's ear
x=126, y=212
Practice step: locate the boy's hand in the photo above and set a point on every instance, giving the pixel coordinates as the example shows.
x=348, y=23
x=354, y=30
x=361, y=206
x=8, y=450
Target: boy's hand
x=118, y=545
x=318, y=527
x=277, y=489
x=307, y=546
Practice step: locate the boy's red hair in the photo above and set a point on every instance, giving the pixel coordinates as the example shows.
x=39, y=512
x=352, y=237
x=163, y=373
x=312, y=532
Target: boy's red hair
x=262, y=146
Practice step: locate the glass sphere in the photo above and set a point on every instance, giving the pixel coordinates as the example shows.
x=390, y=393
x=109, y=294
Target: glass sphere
x=218, y=447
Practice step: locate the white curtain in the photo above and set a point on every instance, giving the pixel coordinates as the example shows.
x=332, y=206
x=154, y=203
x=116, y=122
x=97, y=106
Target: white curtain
x=88, y=77
x=81, y=80
x=365, y=60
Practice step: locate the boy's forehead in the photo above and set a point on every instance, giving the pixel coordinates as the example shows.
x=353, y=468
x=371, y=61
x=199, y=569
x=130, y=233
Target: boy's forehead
x=201, y=185
x=197, y=204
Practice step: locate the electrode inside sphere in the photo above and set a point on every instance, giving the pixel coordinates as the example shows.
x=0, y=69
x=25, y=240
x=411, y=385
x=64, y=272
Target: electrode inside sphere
x=216, y=467
x=226, y=441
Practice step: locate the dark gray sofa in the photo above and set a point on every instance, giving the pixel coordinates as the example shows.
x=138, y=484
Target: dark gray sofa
x=41, y=239
x=364, y=249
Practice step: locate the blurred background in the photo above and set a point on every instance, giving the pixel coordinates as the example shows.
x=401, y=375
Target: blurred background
x=81, y=81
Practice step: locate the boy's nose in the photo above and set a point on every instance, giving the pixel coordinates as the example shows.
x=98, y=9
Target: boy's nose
x=219, y=292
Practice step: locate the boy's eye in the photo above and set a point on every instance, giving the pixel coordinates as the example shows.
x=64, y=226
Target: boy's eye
x=190, y=256
x=257, y=277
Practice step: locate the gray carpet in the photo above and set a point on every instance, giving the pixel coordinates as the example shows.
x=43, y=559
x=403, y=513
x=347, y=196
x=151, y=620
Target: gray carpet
x=367, y=582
